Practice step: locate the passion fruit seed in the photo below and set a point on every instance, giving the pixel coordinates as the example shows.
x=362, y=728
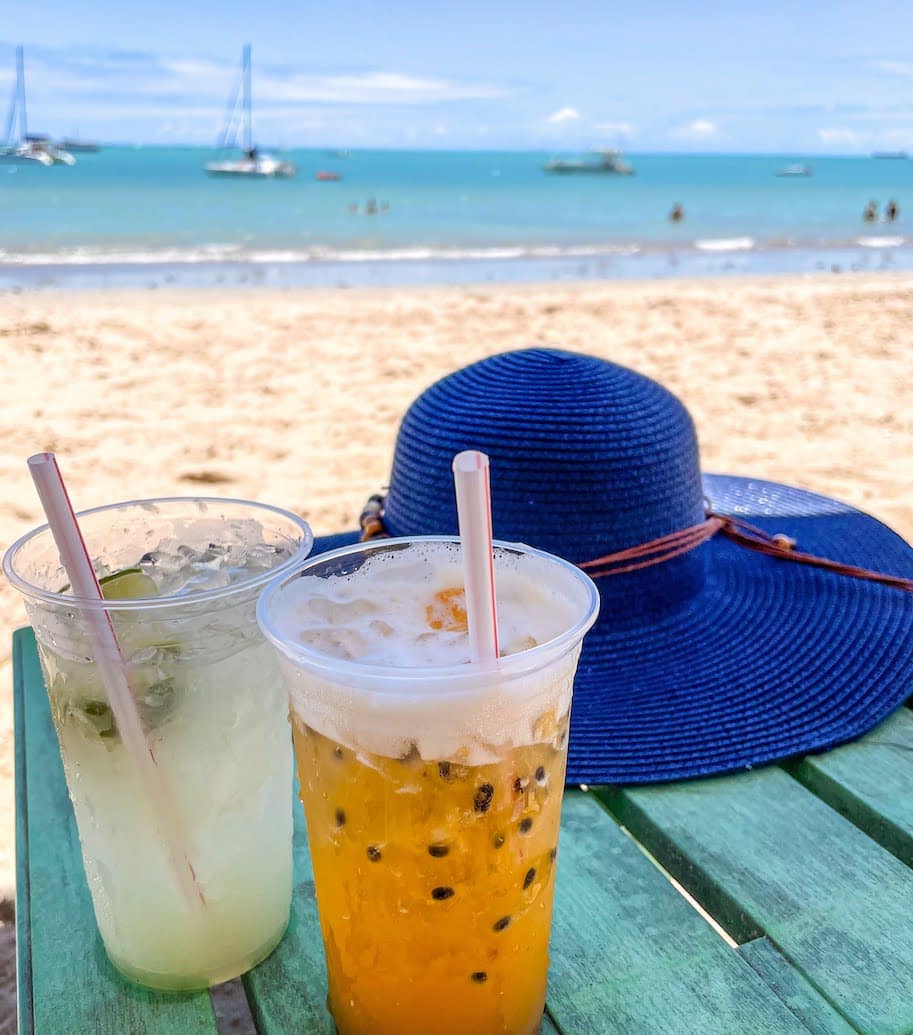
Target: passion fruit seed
x=529, y=878
x=482, y=800
x=525, y=825
x=338, y=753
x=440, y=894
x=553, y=854
x=444, y=769
x=520, y=784
x=498, y=840
x=438, y=851
x=479, y=977
x=499, y=925
x=540, y=774
x=373, y=853
x=340, y=816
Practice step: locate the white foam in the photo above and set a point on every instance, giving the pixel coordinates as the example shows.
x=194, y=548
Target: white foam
x=364, y=668
x=724, y=244
x=880, y=242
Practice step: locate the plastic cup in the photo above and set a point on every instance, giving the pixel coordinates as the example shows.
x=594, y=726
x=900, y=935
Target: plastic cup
x=215, y=711
x=433, y=800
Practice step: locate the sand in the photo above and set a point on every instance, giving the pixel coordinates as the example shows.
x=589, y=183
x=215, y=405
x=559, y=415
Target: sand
x=294, y=397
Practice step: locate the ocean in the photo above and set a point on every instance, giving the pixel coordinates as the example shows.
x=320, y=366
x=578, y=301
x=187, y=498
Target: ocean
x=149, y=215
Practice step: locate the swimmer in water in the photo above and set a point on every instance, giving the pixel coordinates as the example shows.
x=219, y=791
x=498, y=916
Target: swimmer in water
x=891, y=211
x=870, y=212
x=677, y=214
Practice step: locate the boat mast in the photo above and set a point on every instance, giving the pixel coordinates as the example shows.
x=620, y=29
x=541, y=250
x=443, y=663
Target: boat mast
x=20, y=79
x=17, y=103
x=248, y=132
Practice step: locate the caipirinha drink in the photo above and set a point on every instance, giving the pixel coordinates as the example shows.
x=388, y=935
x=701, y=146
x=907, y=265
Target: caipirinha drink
x=181, y=579
x=432, y=787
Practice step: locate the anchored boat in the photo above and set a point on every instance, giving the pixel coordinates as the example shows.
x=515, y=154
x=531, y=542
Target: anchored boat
x=254, y=163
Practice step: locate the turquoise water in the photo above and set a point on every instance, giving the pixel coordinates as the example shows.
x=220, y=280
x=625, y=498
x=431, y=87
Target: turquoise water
x=496, y=215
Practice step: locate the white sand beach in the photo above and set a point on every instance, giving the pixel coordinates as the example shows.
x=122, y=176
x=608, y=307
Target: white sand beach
x=294, y=397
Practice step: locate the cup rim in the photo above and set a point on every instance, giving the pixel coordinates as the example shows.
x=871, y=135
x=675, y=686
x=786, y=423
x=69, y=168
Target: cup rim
x=33, y=592
x=355, y=672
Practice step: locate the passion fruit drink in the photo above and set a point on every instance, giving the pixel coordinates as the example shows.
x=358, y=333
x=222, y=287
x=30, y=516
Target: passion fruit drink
x=432, y=787
x=181, y=579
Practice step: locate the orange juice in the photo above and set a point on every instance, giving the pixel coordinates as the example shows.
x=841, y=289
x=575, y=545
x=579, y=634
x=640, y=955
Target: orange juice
x=456, y=861
x=432, y=792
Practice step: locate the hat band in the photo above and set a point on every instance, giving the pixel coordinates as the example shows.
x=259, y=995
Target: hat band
x=667, y=547
x=782, y=547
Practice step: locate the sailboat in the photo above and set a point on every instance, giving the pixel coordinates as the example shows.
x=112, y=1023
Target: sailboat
x=254, y=162
x=22, y=146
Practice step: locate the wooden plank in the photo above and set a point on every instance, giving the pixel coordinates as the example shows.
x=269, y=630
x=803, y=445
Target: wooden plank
x=629, y=954
x=74, y=987
x=548, y=1026
x=23, y=928
x=871, y=783
x=762, y=854
x=813, y=1010
x=287, y=992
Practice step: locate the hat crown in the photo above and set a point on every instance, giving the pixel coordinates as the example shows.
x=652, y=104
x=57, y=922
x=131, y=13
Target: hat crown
x=587, y=458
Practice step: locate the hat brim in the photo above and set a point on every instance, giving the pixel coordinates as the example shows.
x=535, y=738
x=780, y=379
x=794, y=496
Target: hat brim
x=769, y=659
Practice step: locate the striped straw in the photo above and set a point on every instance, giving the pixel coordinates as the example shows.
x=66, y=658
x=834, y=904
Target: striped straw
x=112, y=668
x=473, y=496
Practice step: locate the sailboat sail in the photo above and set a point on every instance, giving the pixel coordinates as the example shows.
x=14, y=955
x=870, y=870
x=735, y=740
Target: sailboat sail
x=17, y=105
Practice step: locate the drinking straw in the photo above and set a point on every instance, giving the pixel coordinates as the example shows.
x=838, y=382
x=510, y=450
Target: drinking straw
x=111, y=665
x=473, y=496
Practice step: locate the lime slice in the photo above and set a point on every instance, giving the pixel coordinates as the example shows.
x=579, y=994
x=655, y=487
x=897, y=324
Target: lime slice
x=129, y=584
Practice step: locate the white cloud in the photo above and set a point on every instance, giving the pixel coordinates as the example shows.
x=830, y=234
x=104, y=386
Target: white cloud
x=697, y=131
x=102, y=78
x=563, y=115
x=614, y=127
x=901, y=68
x=837, y=136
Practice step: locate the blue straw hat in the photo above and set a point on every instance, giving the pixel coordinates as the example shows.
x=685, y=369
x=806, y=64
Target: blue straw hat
x=718, y=659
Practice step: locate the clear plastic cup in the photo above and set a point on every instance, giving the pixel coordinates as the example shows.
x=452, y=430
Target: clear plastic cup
x=215, y=710
x=432, y=795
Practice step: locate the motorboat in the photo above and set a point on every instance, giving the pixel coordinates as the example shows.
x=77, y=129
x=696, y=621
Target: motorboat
x=605, y=161
x=78, y=145
x=795, y=169
x=254, y=163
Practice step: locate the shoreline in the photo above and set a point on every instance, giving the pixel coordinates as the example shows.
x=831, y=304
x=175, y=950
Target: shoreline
x=294, y=396
x=417, y=267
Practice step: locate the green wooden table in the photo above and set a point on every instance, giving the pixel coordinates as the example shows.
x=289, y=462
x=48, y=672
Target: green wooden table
x=806, y=868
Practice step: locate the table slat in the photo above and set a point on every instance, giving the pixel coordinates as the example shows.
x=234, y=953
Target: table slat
x=629, y=954
x=74, y=987
x=871, y=783
x=813, y=1010
x=764, y=855
x=23, y=931
x=287, y=991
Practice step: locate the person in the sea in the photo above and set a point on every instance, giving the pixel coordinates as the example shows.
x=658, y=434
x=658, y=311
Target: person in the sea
x=891, y=211
x=252, y=153
x=371, y=207
x=677, y=214
x=870, y=212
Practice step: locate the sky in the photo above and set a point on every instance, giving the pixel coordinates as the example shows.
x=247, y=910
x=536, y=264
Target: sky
x=782, y=76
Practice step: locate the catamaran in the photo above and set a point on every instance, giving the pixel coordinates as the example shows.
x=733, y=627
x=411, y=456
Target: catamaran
x=22, y=146
x=254, y=162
